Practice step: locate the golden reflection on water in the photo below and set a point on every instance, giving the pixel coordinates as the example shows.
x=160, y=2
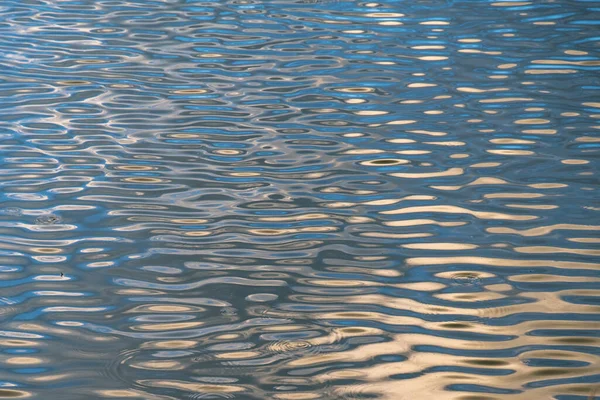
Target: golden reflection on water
x=447, y=209
x=255, y=221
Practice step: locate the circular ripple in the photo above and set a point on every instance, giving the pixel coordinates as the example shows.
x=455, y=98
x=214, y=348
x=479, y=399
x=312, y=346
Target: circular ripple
x=115, y=368
x=466, y=278
x=289, y=346
x=47, y=219
x=12, y=211
x=229, y=312
x=206, y=396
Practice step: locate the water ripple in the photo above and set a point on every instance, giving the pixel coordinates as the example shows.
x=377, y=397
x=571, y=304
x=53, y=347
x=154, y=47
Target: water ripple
x=299, y=199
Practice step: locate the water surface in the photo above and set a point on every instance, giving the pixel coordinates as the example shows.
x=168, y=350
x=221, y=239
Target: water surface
x=299, y=199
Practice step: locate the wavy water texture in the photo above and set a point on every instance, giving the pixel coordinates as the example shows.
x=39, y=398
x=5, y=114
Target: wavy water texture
x=299, y=199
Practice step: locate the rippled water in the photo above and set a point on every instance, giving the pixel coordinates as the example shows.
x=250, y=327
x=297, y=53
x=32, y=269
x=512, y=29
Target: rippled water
x=299, y=199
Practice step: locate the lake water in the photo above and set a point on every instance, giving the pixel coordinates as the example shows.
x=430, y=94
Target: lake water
x=299, y=199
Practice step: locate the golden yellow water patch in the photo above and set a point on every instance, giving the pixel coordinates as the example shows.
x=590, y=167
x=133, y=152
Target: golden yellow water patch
x=440, y=246
x=561, y=62
x=420, y=85
x=119, y=393
x=190, y=91
x=385, y=162
x=188, y=221
x=540, y=131
x=24, y=360
x=584, y=240
x=554, y=250
x=198, y=233
x=543, y=230
x=417, y=222
x=576, y=52
x=13, y=394
x=395, y=235
x=506, y=100
x=170, y=326
x=486, y=165
x=475, y=90
x=298, y=396
x=550, y=278
x=533, y=206
x=171, y=344
x=506, y=152
x=447, y=209
x=145, y=180
x=511, y=141
x=470, y=297
x=588, y=139
x=158, y=365
x=547, y=185
x=46, y=250
x=432, y=58
x=238, y=355
x=371, y=112
x=356, y=90
x=574, y=162
x=532, y=121
x=420, y=175
x=402, y=122
x=550, y=71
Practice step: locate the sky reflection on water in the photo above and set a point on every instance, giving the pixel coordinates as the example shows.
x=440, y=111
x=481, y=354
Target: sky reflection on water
x=299, y=200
